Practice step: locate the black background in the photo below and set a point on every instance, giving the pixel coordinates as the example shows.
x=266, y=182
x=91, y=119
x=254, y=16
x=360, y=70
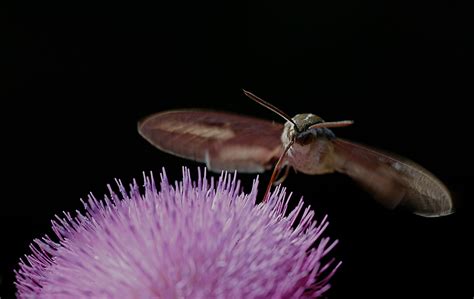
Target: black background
x=403, y=70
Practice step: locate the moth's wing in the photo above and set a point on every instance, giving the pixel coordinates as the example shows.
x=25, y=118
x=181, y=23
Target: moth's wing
x=393, y=180
x=223, y=141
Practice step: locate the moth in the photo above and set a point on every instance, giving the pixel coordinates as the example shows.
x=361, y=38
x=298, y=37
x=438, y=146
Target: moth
x=227, y=141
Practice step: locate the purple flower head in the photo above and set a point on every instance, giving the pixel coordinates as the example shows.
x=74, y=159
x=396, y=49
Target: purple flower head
x=190, y=240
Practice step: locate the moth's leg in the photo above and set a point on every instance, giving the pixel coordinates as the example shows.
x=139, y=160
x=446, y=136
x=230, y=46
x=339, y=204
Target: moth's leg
x=283, y=177
x=276, y=170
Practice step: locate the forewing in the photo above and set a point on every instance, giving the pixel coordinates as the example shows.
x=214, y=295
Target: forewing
x=393, y=180
x=224, y=141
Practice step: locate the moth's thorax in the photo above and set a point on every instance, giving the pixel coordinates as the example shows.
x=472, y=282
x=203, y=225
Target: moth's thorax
x=312, y=151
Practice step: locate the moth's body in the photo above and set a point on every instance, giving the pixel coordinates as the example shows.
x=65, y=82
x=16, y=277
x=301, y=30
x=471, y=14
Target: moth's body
x=226, y=141
x=312, y=151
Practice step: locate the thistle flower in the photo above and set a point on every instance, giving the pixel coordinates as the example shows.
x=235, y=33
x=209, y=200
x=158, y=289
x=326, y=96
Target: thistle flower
x=191, y=240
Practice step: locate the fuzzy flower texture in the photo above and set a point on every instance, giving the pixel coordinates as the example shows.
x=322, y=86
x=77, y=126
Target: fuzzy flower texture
x=201, y=239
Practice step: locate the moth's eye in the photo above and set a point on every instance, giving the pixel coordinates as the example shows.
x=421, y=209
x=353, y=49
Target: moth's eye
x=304, y=138
x=315, y=122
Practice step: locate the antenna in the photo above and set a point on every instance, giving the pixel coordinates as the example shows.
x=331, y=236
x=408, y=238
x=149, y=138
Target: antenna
x=271, y=107
x=332, y=124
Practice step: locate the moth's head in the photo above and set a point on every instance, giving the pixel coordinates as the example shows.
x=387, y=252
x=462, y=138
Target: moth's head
x=300, y=130
x=305, y=120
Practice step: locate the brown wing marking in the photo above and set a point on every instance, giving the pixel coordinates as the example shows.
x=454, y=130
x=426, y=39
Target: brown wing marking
x=393, y=180
x=224, y=141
